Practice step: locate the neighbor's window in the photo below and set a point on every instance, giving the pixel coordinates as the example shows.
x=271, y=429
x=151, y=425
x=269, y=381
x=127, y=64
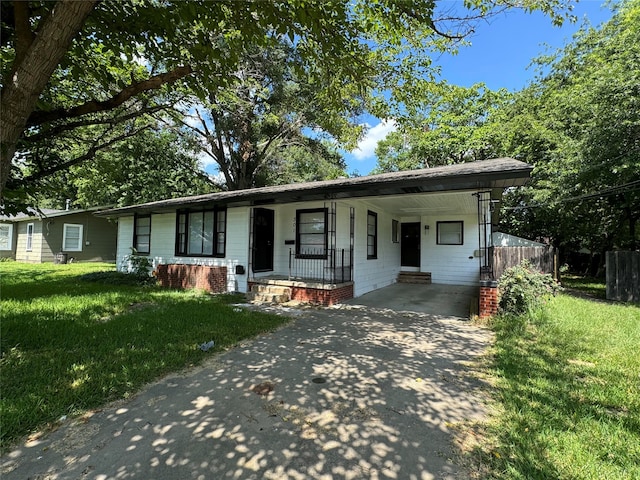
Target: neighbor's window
x=395, y=231
x=202, y=233
x=142, y=234
x=311, y=233
x=6, y=236
x=71, y=237
x=29, y=246
x=450, y=233
x=372, y=235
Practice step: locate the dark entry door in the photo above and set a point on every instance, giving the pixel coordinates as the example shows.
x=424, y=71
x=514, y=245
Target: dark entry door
x=262, y=240
x=410, y=244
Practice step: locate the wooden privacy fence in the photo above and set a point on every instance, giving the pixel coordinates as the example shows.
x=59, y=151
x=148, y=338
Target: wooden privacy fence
x=543, y=259
x=623, y=272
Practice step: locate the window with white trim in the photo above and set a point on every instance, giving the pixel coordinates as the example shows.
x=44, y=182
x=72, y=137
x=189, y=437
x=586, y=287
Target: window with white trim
x=450, y=233
x=311, y=233
x=6, y=236
x=72, y=237
x=142, y=234
x=202, y=233
x=29, y=246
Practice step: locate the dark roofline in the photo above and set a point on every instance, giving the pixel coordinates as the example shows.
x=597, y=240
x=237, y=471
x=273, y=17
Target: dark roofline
x=47, y=213
x=485, y=174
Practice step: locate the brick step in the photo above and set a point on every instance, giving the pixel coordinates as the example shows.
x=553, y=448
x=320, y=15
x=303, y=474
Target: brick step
x=274, y=289
x=267, y=298
x=415, y=277
x=261, y=293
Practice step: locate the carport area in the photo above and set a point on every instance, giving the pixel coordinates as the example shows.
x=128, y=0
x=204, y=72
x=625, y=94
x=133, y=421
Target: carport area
x=340, y=393
x=434, y=299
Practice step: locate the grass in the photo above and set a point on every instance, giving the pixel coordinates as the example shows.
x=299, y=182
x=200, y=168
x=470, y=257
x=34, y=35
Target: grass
x=568, y=389
x=587, y=285
x=68, y=344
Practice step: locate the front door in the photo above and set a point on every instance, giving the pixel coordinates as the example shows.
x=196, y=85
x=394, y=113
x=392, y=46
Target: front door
x=410, y=244
x=262, y=240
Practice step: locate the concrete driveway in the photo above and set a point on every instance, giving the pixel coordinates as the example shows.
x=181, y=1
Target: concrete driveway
x=340, y=393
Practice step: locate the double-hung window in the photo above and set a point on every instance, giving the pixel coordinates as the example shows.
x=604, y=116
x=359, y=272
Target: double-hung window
x=142, y=234
x=372, y=235
x=6, y=236
x=311, y=233
x=71, y=237
x=202, y=233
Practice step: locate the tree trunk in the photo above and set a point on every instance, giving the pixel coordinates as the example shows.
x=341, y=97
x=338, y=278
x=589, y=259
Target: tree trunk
x=32, y=73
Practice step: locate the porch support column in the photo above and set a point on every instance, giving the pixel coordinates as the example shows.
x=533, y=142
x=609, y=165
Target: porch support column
x=489, y=299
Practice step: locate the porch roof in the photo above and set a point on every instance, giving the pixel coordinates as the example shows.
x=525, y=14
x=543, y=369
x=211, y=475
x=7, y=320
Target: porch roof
x=486, y=174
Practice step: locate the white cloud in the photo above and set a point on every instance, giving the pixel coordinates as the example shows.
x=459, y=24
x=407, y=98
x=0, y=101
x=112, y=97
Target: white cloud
x=367, y=146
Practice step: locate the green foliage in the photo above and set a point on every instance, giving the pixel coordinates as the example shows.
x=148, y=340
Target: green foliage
x=524, y=289
x=70, y=345
x=454, y=128
x=153, y=164
x=133, y=57
x=579, y=124
x=139, y=267
x=255, y=130
x=566, y=385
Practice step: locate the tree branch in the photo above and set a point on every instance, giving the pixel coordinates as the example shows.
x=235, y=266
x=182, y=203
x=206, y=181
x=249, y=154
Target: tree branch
x=89, y=154
x=36, y=137
x=24, y=35
x=93, y=106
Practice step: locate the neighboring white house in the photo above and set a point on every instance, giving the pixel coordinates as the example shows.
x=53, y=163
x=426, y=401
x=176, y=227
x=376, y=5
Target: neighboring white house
x=349, y=235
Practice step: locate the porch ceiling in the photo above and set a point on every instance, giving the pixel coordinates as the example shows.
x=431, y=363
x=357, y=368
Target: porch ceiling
x=408, y=205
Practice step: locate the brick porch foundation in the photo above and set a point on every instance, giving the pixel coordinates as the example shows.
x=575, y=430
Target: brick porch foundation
x=321, y=296
x=211, y=279
x=312, y=292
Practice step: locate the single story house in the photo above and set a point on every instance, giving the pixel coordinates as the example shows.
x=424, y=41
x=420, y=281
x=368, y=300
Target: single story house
x=329, y=240
x=58, y=236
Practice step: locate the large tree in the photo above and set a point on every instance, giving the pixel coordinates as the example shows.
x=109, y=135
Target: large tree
x=579, y=124
x=452, y=128
x=382, y=44
x=249, y=129
x=155, y=164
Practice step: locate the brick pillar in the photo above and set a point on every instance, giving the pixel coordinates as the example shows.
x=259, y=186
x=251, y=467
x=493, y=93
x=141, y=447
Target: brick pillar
x=488, y=298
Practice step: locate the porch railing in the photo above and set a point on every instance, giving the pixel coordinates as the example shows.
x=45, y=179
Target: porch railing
x=335, y=267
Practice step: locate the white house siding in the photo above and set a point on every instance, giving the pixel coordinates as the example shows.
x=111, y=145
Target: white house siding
x=451, y=264
x=163, y=238
x=448, y=264
x=371, y=274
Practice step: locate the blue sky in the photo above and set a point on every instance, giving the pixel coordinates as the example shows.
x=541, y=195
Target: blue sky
x=501, y=51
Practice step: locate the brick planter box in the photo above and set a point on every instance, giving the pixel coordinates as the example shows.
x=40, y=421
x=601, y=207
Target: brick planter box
x=211, y=279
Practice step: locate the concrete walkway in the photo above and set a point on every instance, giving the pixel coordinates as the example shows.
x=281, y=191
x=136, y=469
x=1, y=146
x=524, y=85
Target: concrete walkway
x=340, y=393
x=434, y=299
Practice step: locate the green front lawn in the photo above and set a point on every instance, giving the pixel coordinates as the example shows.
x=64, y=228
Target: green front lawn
x=568, y=392
x=68, y=344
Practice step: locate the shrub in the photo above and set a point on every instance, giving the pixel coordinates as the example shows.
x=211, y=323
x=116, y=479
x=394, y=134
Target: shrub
x=523, y=288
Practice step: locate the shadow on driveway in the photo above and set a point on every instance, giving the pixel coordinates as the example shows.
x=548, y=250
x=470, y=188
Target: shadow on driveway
x=347, y=393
